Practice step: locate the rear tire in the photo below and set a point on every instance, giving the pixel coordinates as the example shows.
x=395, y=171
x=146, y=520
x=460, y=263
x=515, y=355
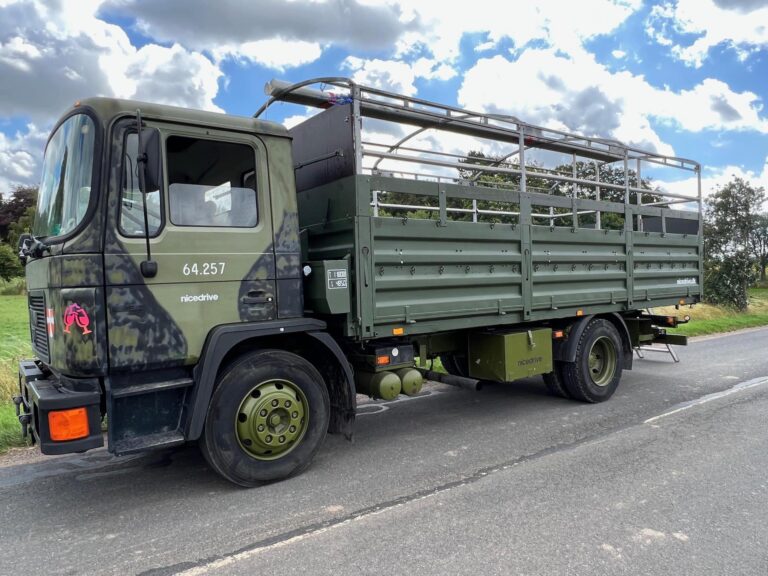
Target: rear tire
x=455, y=364
x=555, y=381
x=267, y=418
x=596, y=372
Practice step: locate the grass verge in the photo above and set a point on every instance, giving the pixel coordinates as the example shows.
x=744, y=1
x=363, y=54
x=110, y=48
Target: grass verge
x=708, y=319
x=14, y=344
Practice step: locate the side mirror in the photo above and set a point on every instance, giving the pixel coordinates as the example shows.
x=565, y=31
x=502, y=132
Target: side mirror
x=25, y=240
x=151, y=154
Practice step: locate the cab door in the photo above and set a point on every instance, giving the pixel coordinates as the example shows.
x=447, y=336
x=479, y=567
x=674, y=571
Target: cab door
x=211, y=235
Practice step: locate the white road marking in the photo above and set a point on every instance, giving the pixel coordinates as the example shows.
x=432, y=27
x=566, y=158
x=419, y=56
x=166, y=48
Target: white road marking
x=710, y=397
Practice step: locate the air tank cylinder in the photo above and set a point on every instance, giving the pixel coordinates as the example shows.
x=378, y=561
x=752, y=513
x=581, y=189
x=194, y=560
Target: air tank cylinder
x=384, y=385
x=411, y=380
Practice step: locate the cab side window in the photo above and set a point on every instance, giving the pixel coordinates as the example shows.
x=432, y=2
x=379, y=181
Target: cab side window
x=211, y=183
x=131, y=198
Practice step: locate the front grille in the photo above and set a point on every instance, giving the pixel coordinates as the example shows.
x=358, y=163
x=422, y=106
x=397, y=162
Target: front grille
x=38, y=326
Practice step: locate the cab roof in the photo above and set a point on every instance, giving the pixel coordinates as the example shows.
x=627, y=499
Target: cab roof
x=110, y=108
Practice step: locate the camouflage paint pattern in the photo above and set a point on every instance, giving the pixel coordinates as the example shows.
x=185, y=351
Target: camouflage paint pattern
x=163, y=321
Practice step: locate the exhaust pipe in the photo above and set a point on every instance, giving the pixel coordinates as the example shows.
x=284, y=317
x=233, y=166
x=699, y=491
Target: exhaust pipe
x=458, y=381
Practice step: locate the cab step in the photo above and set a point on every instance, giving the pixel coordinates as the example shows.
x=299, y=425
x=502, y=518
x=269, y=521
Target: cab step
x=148, y=442
x=149, y=387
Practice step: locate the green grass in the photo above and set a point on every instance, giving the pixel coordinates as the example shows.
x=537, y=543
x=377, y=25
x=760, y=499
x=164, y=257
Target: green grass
x=707, y=319
x=14, y=344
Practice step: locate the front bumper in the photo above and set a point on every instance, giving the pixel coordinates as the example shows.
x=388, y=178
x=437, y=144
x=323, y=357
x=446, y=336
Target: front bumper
x=41, y=393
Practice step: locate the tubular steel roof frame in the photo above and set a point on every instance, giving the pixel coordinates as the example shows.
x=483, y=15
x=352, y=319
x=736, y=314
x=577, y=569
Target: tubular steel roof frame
x=380, y=104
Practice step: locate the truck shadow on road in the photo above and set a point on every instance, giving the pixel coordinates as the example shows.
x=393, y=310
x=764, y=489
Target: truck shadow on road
x=440, y=410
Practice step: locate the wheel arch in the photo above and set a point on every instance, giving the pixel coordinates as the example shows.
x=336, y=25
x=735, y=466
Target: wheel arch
x=302, y=336
x=566, y=351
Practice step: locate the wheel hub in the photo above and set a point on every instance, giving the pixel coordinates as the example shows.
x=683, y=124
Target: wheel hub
x=272, y=419
x=602, y=361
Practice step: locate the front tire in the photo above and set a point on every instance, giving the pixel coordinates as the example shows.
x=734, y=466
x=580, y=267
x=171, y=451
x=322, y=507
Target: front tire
x=596, y=373
x=267, y=418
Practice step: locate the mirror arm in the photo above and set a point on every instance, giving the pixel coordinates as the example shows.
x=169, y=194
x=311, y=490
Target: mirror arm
x=148, y=267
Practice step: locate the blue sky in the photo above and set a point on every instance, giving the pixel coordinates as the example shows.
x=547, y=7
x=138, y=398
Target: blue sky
x=683, y=77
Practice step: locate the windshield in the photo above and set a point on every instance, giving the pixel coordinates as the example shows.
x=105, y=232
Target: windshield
x=65, y=189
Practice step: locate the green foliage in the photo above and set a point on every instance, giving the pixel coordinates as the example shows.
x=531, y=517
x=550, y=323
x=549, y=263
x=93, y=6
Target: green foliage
x=10, y=431
x=758, y=243
x=13, y=287
x=731, y=234
x=14, y=345
x=727, y=280
x=23, y=225
x=15, y=209
x=536, y=181
x=731, y=214
x=9, y=263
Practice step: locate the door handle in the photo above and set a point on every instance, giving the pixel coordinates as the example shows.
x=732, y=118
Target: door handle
x=256, y=297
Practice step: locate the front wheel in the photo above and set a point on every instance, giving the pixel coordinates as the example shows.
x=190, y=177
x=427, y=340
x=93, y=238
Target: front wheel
x=596, y=372
x=267, y=418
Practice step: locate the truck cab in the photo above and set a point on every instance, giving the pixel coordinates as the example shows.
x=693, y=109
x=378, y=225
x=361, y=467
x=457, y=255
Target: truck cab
x=118, y=338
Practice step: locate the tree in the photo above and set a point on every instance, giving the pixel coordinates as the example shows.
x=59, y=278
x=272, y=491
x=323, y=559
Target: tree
x=10, y=267
x=536, y=181
x=24, y=224
x=14, y=209
x=758, y=242
x=731, y=213
x=731, y=216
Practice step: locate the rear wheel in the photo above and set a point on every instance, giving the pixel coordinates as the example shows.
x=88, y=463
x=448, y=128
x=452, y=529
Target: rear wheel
x=596, y=372
x=455, y=363
x=267, y=418
x=555, y=381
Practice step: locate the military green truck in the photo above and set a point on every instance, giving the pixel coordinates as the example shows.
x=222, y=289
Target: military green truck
x=201, y=277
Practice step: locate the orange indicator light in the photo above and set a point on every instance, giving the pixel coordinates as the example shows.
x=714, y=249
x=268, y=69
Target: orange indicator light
x=68, y=424
x=579, y=312
x=398, y=331
x=557, y=334
x=382, y=360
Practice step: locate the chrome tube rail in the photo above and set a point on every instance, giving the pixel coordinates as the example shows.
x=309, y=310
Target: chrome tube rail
x=404, y=160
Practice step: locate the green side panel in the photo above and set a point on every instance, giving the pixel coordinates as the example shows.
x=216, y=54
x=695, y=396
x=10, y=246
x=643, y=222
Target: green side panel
x=430, y=275
x=581, y=268
x=326, y=289
x=666, y=266
x=510, y=356
x=425, y=273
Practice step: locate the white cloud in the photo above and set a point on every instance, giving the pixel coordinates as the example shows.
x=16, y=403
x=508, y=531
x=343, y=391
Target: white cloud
x=58, y=53
x=397, y=75
x=583, y=95
x=618, y=54
x=273, y=53
x=716, y=177
x=565, y=25
x=173, y=76
x=20, y=156
x=274, y=33
x=741, y=25
x=392, y=75
x=52, y=54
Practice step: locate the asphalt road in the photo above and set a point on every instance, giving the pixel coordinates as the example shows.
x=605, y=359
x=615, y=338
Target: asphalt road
x=669, y=477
